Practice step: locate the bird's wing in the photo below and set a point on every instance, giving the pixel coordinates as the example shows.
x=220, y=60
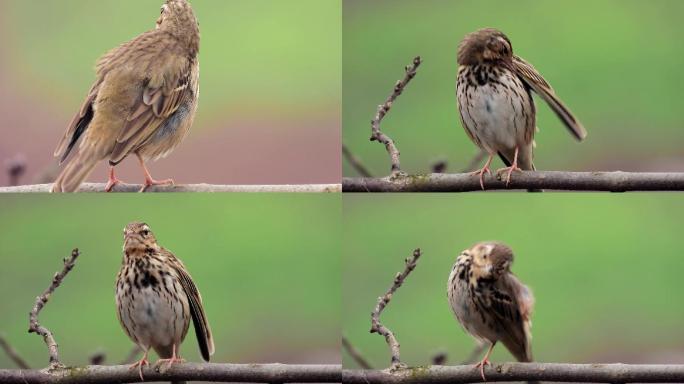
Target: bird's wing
x=540, y=86
x=199, y=319
x=510, y=306
x=162, y=94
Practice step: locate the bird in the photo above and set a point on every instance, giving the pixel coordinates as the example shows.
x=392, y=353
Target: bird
x=490, y=302
x=143, y=101
x=494, y=95
x=156, y=298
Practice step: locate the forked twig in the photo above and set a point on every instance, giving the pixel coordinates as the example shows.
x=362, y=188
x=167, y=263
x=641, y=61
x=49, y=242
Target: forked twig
x=34, y=325
x=383, y=109
x=383, y=301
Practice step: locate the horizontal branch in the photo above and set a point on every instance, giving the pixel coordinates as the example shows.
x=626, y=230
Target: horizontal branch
x=304, y=188
x=551, y=180
x=244, y=373
x=549, y=372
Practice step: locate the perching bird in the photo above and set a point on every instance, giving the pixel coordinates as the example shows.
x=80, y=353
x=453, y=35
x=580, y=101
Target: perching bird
x=495, y=101
x=143, y=101
x=156, y=298
x=490, y=302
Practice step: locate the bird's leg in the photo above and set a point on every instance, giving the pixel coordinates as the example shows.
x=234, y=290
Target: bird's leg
x=175, y=359
x=484, y=170
x=513, y=168
x=113, y=181
x=485, y=361
x=149, y=181
x=141, y=363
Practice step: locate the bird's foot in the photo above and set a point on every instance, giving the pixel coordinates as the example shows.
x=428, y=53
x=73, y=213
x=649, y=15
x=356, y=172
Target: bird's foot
x=150, y=182
x=140, y=364
x=482, y=365
x=169, y=362
x=112, y=181
x=509, y=171
x=481, y=173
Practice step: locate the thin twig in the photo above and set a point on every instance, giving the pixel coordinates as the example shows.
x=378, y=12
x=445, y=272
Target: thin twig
x=16, y=168
x=97, y=358
x=474, y=354
x=88, y=187
x=474, y=163
x=205, y=372
x=355, y=162
x=439, y=358
x=383, y=109
x=13, y=354
x=34, y=325
x=132, y=355
x=376, y=326
x=355, y=354
x=546, y=372
x=548, y=180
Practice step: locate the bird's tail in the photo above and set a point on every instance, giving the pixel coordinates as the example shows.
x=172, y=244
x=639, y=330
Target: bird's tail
x=74, y=173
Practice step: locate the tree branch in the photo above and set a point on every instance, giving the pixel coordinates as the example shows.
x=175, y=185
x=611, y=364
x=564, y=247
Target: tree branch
x=88, y=187
x=550, y=180
x=383, y=109
x=383, y=301
x=13, y=354
x=548, y=372
x=245, y=373
x=355, y=162
x=355, y=354
x=34, y=325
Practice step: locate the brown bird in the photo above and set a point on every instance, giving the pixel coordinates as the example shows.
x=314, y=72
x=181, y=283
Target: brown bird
x=143, y=101
x=494, y=92
x=156, y=298
x=490, y=302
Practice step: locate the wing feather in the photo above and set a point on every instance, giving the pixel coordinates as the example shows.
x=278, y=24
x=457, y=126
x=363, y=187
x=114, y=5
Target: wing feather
x=539, y=85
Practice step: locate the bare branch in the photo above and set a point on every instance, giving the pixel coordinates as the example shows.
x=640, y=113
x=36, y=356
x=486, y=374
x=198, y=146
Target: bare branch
x=475, y=354
x=97, y=358
x=16, y=168
x=227, y=373
x=355, y=162
x=88, y=187
x=383, y=109
x=439, y=358
x=439, y=166
x=547, y=372
x=383, y=301
x=34, y=325
x=549, y=180
x=13, y=354
x=355, y=354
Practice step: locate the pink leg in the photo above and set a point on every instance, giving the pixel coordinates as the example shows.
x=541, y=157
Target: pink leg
x=484, y=170
x=513, y=168
x=149, y=181
x=140, y=364
x=485, y=361
x=113, y=181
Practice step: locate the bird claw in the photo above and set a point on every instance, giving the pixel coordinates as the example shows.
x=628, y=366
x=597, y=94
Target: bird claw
x=151, y=182
x=140, y=364
x=509, y=171
x=482, y=365
x=481, y=173
x=169, y=362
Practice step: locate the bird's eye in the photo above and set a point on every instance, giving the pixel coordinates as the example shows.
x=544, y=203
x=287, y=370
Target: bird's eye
x=145, y=232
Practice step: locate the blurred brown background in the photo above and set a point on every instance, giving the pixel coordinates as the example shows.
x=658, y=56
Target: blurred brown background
x=270, y=83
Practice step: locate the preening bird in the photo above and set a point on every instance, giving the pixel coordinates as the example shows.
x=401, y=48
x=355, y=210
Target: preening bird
x=494, y=93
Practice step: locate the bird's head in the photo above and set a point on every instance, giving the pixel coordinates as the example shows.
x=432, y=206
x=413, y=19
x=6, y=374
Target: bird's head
x=178, y=19
x=490, y=259
x=484, y=45
x=138, y=236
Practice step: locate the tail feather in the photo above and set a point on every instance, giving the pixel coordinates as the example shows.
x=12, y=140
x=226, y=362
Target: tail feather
x=74, y=174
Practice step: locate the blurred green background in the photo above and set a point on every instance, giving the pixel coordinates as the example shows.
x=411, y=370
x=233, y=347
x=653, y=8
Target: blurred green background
x=270, y=85
x=606, y=272
x=267, y=267
x=615, y=63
